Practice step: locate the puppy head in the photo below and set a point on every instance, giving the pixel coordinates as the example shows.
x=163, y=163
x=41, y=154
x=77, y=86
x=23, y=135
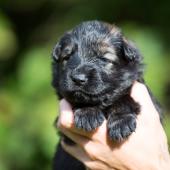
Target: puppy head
x=92, y=60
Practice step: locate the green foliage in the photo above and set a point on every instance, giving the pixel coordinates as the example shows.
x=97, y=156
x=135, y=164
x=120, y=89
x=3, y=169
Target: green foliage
x=27, y=114
x=34, y=72
x=8, y=38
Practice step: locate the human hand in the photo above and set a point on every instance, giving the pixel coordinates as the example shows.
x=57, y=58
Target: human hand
x=146, y=148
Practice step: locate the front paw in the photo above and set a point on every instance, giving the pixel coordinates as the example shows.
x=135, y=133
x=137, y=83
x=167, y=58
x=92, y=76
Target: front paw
x=88, y=119
x=121, y=128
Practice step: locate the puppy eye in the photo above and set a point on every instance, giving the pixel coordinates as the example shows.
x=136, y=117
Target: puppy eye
x=65, y=58
x=105, y=59
x=66, y=54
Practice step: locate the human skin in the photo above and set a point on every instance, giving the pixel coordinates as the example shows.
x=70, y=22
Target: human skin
x=145, y=149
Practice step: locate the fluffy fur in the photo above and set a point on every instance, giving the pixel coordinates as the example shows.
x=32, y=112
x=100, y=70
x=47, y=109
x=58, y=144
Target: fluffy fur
x=94, y=67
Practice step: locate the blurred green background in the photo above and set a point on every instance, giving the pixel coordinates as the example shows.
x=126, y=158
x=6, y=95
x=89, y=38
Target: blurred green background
x=28, y=31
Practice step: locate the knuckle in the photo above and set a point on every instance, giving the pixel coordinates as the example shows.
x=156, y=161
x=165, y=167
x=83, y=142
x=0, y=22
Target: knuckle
x=64, y=122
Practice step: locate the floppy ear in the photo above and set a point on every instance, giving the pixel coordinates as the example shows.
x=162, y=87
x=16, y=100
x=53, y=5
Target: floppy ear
x=131, y=53
x=56, y=52
x=64, y=47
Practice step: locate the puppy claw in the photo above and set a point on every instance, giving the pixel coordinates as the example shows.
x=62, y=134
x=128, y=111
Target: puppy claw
x=120, y=129
x=88, y=119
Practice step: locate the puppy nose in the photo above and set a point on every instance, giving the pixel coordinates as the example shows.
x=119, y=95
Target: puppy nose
x=80, y=79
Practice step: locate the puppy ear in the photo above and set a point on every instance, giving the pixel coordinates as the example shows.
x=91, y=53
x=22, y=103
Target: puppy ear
x=56, y=52
x=63, y=48
x=131, y=53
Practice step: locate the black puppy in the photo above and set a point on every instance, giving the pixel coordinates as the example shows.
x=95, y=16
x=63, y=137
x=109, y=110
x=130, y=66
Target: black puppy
x=94, y=67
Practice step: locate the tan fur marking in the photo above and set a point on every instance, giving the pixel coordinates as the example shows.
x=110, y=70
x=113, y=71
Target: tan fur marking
x=110, y=56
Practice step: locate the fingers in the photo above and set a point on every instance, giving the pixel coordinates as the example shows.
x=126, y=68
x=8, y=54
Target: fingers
x=88, y=146
x=78, y=139
x=81, y=155
x=76, y=151
x=95, y=150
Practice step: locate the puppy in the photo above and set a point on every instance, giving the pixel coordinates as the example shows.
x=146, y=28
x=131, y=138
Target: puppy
x=94, y=68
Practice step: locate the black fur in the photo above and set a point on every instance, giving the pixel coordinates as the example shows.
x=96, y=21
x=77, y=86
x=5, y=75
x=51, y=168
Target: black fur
x=94, y=67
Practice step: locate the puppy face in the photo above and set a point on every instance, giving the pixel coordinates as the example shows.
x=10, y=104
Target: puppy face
x=93, y=60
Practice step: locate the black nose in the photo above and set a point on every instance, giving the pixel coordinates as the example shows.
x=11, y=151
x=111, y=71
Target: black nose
x=79, y=78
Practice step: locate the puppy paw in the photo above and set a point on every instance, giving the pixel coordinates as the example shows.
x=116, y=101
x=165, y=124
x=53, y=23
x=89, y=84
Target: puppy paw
x=88, y=119
x=121, y=128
